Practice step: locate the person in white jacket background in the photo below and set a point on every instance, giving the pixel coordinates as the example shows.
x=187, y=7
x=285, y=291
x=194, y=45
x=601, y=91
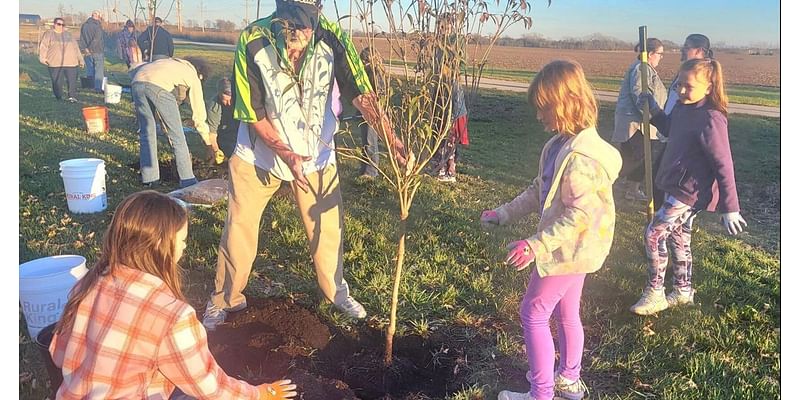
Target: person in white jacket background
x=152, y=88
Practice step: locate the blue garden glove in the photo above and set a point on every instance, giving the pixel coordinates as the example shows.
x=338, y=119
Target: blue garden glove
x=647, y=98
x=733, y=222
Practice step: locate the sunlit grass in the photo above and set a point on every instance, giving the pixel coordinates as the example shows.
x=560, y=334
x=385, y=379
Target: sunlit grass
x=726, y=347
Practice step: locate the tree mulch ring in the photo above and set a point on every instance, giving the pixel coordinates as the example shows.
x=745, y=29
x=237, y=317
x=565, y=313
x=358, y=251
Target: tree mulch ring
x=276, y=339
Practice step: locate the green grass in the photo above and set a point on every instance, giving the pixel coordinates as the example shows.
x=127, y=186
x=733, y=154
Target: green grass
x=726, y=347
x=741, y=94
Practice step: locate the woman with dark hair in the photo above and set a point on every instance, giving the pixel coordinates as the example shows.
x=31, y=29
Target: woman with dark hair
x=696, y=46
x=59, y=51
x=628, y=119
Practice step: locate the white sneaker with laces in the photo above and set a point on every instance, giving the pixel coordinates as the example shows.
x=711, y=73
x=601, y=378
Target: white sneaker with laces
x=215, y=316
x=651, y=302
x=570, y=390
x=679, y=297
x=352, y=308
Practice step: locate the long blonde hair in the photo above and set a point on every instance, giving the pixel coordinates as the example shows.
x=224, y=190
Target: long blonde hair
x=710, y=70
x=561, y=88
x=141, y=236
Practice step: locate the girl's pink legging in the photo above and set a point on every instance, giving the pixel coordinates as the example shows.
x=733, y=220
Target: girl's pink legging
x=559, y=295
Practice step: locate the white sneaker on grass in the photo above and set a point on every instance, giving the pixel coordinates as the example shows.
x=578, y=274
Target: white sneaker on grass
x=651, y=302
x=351, y=308
x=570, y=390
x=509, y=395
x=679, y=297
x=215, y=316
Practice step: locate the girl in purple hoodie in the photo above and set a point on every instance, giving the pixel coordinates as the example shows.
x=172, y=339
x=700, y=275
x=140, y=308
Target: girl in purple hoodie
x=696, y=173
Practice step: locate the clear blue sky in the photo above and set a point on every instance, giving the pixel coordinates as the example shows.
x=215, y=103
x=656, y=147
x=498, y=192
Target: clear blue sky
x=737, y=22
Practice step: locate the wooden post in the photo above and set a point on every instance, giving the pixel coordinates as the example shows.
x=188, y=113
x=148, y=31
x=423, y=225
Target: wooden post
x=648, y=163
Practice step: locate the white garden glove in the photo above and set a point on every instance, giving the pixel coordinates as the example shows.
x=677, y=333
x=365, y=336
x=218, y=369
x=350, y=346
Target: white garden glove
x=733, y=222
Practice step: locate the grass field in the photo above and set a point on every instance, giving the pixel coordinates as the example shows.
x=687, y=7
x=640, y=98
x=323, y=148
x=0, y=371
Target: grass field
x=726, y=347
x=737, y=93
x=749, y=79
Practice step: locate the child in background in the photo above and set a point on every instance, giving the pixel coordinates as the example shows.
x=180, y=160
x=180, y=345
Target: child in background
x=696, y=173
x=373, y=65
x=573, y=193
x=459, y=134
x=135, y=55
x=127, y=331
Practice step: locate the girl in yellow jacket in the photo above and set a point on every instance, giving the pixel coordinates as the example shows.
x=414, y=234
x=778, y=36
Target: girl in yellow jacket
x=572, y=191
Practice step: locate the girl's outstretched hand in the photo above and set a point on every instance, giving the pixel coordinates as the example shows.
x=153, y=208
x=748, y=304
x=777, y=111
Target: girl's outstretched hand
x=520, y=254
x=489, y=219
x=277, y=390
x=733, y=222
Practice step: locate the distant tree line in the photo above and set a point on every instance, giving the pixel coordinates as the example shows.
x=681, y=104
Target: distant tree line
x=594, y=41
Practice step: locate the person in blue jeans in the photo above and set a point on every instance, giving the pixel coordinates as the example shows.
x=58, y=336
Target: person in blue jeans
x=152, y=88
x=92, y=45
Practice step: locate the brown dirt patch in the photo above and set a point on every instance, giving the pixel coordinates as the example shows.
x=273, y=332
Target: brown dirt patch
x=275, y=338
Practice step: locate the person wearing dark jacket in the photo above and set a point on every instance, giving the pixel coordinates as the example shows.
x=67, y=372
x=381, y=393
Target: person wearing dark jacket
x=156, y=43
x=92, y=44
x=696, y=173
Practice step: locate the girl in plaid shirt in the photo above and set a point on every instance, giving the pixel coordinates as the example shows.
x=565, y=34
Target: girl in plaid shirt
x=127, y=331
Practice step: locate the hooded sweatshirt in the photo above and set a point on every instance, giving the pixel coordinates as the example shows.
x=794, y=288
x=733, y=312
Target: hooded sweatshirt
x=576, y=229
x=92, y=37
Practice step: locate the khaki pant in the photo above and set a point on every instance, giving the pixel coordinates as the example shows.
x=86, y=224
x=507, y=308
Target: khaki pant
x=251, y=188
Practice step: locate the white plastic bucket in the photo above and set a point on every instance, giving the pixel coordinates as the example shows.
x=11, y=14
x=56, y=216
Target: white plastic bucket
x=44, y=286
x=113, y=93
x=84, y=184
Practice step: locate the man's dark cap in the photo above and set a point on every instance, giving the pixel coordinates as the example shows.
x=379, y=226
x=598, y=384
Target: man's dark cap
x=298, y=13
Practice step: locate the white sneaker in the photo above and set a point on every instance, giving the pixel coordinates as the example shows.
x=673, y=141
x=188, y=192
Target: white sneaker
x=509, y=395
x=215, y=316
x=446, y=178
x=680, y=297
x=651, y=302
x=569, y=390
x=352, y=308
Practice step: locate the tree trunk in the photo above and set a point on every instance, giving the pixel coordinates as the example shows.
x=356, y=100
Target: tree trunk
x=401, y=251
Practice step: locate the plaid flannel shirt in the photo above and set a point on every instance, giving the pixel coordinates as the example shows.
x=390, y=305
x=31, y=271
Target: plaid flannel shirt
x=132, y=339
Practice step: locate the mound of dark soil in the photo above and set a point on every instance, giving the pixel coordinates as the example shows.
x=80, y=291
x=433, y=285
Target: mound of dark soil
x=274, y=339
